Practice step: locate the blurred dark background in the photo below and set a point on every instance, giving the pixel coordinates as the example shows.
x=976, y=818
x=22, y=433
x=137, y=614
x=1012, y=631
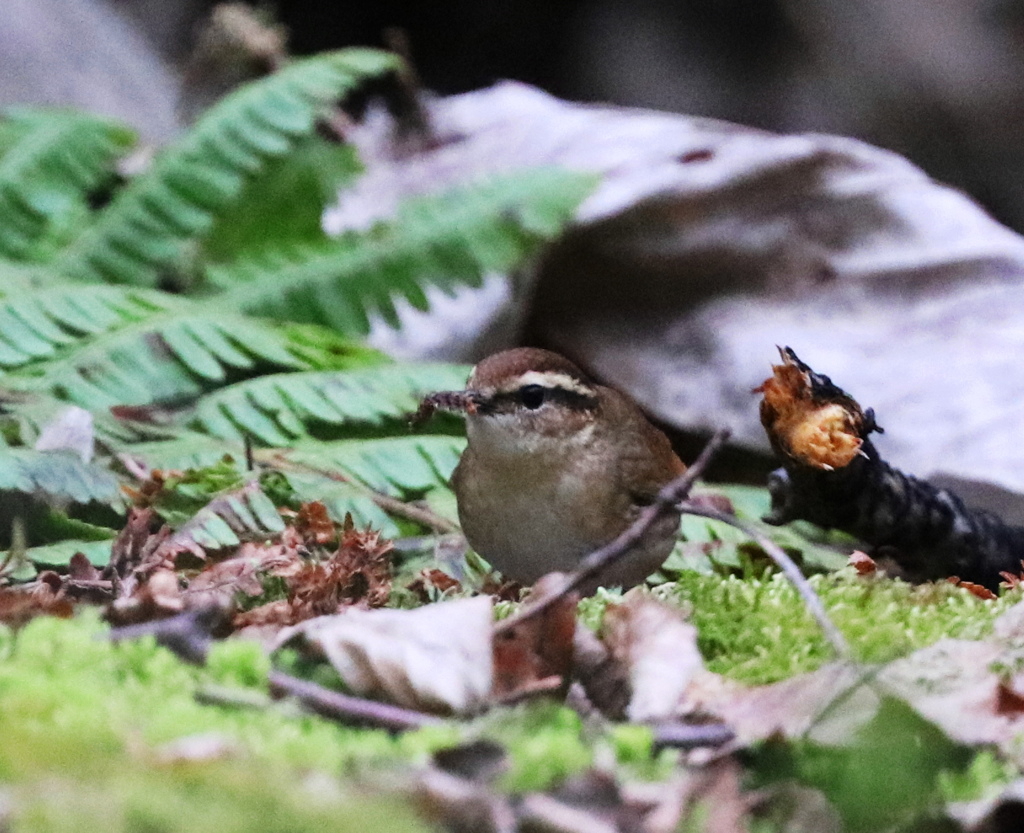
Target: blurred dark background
x=937, y=80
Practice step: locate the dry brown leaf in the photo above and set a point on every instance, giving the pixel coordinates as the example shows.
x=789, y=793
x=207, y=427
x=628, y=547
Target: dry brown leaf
x=719, y=802
x=81, y=569
x=978, y=590
x=828, y=705
x=436, y=658
x=241, y=574
x=315, y=526
x=22, y=604
x=1013, y=581
x=428, y=582
x=147, y=490
x=954, y=684
x=863, y=563
x=538, y=650
x=137, y=542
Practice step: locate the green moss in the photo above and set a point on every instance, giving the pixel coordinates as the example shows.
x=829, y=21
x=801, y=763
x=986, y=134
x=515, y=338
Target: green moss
x=757, y=630
x=88, y=721
x=84, y=722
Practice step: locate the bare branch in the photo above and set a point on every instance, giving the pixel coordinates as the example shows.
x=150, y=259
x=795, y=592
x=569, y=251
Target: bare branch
x=347, y=709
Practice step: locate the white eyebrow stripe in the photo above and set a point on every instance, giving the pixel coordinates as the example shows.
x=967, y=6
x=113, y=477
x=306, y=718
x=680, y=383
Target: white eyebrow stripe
x=550, y=379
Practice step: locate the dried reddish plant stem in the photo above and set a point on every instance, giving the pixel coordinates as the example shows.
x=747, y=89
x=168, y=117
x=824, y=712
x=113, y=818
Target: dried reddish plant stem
x=789, y=569
x=928, y=531
x=346, y=709
x=598, y=561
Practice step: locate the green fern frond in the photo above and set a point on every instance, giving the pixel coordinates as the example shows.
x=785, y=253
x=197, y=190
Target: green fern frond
x=99, y=346
x=60, y=553
x=391, y=465
x=16, y=277
x=58, y=476
x=446, y=240
x=341, y=499
x=50, y=160
x=275, y=409
x=194, y=180
x=187, y=450
x=341, y=473
x=241, y=514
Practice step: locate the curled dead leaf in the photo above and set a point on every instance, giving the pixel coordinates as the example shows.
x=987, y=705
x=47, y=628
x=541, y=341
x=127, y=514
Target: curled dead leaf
x=315, y=526
x=436, y=658
x=978, y=590
x=157, y=597
x=863, y=563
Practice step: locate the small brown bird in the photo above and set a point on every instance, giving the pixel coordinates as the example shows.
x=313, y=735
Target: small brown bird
x=557, y=466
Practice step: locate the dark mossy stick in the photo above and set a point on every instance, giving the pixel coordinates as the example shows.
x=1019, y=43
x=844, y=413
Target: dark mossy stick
x=833, y=476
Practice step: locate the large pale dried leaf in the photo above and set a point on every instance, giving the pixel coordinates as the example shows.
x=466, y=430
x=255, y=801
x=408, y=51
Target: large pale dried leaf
x=952, y=684
x=827, y=706
x=707, y=243
x=955, y=684
x=434, y=658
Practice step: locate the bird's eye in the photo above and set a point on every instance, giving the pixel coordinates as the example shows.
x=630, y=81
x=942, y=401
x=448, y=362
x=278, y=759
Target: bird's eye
x=532, y=396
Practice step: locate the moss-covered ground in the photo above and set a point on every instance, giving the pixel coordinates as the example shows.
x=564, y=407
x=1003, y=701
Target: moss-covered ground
x=92, y=731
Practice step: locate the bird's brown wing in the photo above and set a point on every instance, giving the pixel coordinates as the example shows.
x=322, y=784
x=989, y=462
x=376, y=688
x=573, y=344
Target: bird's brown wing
x=646, y=460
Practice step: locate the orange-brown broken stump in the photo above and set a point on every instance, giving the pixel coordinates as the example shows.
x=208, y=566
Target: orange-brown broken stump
x=833, y=475
x=818, y=426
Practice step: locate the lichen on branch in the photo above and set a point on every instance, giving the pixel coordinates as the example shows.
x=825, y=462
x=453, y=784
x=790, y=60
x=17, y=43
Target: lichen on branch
x=833, y=475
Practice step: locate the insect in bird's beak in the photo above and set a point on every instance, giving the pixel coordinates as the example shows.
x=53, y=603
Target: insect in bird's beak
x=463, y=401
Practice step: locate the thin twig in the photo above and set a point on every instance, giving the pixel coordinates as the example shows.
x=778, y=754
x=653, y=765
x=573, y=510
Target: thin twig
x=691, y=735
x=347, y=709
x=789, y=569
x=531, y=691
x=417, y=514
x=601, y=559
x=235, y=698
x=188, y=634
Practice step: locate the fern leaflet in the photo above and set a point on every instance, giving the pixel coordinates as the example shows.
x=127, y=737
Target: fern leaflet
x=275, y=409
x=51, y=160
x=57, y=475
x=193, y=181
x=446, y=240
x=99, y=346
